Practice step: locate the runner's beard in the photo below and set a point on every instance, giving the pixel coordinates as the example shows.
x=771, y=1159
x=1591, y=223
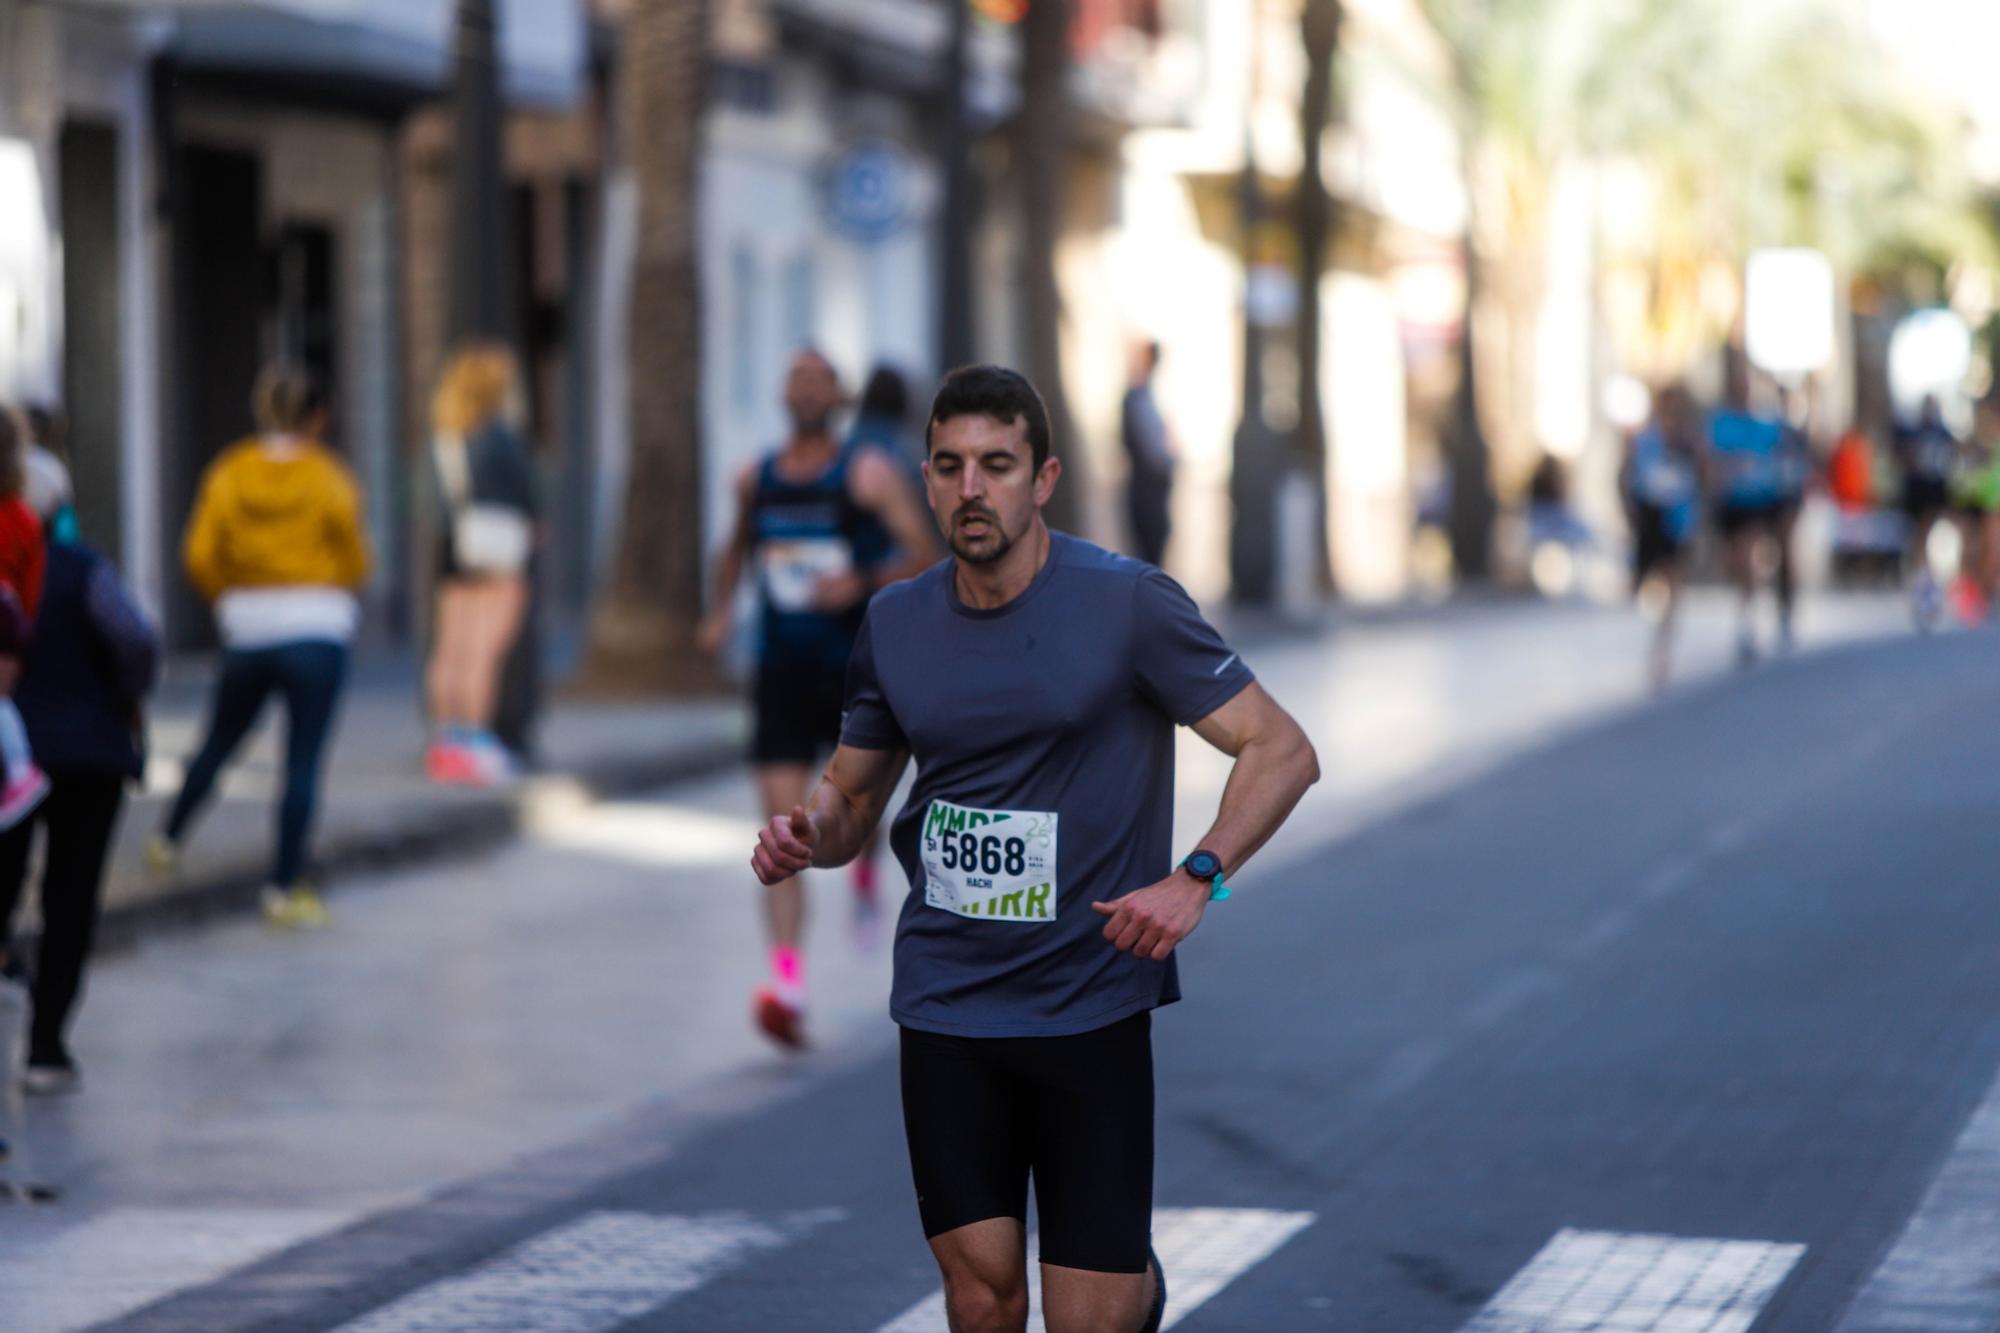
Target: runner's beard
x=988, y=548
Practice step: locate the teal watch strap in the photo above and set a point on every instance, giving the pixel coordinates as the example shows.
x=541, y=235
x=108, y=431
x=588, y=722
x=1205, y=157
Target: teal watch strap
x=1217, y=889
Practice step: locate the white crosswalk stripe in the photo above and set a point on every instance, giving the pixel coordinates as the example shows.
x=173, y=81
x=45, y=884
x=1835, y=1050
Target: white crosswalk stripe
x=1620, y=1282
x=1943, y=1275
x=120, y=1260
x=1202, y=1250
x=591, y=1274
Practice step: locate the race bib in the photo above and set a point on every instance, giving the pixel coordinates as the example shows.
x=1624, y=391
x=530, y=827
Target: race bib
x=995, y=865
x=1662, y=483
x=793, y=568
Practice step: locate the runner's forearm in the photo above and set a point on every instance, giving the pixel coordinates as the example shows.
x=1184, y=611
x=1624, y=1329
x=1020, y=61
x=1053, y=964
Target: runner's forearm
x=843, y=822
x=1269, y=776
x=728, y=572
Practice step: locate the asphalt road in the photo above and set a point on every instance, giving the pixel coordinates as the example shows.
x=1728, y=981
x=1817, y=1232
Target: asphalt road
x=1718, y=969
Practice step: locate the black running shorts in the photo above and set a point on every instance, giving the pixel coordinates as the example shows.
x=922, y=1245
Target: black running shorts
x=1924, y=496
x=1653, y=541
x=798, y=714
x=1737, y=516
x=983, y=1114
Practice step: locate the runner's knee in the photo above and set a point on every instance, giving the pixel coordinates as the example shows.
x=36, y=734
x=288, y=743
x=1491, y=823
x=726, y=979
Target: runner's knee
x=987, y=1302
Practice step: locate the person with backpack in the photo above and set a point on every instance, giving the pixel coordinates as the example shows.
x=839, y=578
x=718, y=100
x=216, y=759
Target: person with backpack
x=94, y=661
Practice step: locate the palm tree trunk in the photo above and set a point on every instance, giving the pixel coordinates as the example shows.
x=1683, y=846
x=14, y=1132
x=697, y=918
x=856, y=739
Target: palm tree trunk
x=1319, y=35
x=642, y=631
x=1466, y=449
x=1045, y=124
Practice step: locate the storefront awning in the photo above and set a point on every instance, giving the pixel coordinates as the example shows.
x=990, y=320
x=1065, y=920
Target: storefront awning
x=544, y=44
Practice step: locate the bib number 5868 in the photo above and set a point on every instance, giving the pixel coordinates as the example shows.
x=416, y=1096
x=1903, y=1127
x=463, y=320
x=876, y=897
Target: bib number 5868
x=987, y=854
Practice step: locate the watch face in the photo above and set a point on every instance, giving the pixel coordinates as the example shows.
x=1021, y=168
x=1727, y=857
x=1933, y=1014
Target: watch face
x=1204, y=865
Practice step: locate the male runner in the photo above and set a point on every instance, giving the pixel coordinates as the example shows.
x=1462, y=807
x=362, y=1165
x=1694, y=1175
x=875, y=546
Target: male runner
x=1037, y=680
x=1748, y=469
x=1662, y=479
x=807, y=513
x=1798, y=460
x=1929, y=454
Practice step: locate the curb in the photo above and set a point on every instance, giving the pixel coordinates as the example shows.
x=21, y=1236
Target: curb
x=437, y=836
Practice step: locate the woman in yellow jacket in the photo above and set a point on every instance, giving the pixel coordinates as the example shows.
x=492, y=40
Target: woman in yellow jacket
x=277, y=546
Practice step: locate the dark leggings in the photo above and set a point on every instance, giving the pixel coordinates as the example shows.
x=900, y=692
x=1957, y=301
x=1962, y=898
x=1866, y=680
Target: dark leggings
x=80, y=812
x=308, y=676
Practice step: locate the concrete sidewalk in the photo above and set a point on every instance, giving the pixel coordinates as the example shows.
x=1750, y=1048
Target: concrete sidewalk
x=378, y=810
x=377, y=807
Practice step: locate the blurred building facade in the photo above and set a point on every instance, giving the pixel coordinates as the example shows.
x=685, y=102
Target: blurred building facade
x=222, y=182
x=225, y=183
x=1167, y=246
x=196, y=187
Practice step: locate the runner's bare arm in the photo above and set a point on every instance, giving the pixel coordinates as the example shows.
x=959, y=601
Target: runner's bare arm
x=713, y=632
x=1275, y=764
x=833, y=827
x=880, y=487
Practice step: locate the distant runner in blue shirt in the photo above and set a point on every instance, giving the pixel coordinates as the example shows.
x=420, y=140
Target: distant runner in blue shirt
x=1663, y=475
x=1747, y=474
x=1037, y=681
x=1928, y=450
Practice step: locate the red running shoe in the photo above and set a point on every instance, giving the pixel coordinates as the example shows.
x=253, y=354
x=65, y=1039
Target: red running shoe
x=452, y=765
x=1968, y=601
x=781, y=1019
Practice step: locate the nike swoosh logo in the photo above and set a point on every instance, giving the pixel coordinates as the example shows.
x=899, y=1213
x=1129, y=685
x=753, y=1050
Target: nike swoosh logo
x=1225, y=666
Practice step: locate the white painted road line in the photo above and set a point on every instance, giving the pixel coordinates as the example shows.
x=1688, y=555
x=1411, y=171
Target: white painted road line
x=1943, y=1273
x=1618, y=1282
x=130, y=1257
x=592, y=1274
x=1202, y=1250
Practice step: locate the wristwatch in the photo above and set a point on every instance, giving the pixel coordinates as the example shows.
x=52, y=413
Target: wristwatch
x=1206, y=866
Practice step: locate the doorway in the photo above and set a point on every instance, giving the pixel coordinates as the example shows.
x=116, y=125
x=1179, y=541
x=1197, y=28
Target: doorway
x=219, y=278
x=93, y=360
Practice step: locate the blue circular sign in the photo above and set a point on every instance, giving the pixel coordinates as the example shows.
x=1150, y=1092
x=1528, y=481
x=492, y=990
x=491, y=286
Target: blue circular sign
x=868, y=192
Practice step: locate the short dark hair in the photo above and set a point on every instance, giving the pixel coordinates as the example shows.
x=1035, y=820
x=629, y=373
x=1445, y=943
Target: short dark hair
x=992, y=391
x=885, y=395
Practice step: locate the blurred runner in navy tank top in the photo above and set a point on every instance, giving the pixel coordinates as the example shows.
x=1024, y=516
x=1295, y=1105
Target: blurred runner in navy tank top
x=807, y=515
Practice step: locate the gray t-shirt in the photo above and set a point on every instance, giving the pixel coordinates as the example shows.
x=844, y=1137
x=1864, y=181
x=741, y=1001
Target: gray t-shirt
x=1043, y=733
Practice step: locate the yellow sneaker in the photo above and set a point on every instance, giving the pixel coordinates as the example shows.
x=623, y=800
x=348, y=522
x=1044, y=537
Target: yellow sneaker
x=308, y=908
x=162, y=856
x=296, y=909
